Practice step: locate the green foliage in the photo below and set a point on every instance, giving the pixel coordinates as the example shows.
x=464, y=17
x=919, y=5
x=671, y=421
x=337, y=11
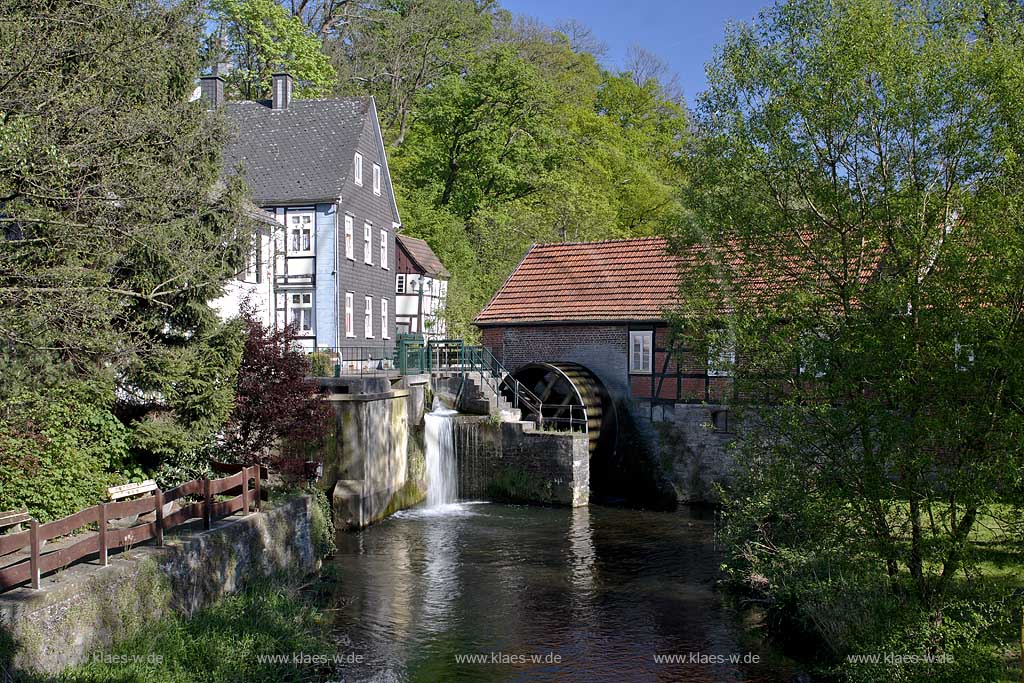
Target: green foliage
x=262, y=37
x=221, y=643
x=864, y=155
x=503, y=135
x=193, y=390
x=57, y=456
x=322, y=522
x=321, y=364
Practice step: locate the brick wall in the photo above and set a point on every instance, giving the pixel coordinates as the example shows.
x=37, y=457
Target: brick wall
x=603, y=349
x=599, y=348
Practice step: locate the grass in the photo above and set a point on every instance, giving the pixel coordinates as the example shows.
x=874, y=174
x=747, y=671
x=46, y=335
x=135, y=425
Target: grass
x=223, y=642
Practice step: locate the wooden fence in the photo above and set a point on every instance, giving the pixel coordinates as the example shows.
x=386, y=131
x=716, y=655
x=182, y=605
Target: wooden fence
x=109, y=538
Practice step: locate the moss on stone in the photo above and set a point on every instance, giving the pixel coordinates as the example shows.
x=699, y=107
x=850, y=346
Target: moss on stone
x=515, y=485
x=410, y=494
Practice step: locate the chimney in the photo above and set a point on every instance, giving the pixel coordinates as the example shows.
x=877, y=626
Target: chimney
x=212, y=88
x=282, y=92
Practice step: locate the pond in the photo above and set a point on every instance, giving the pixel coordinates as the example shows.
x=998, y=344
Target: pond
x=487, y=592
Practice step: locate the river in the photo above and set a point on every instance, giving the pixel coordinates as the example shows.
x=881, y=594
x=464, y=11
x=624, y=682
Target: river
x=488, y=592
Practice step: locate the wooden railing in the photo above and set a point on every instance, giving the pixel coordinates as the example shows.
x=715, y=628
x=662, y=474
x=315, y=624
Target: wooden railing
x=108, y=538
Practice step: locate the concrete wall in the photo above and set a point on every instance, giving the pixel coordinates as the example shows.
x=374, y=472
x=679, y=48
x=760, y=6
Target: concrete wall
x=511, y=461
x=87, y=608
x=373, y=465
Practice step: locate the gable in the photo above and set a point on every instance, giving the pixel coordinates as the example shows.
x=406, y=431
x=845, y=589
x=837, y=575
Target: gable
x=302, y=154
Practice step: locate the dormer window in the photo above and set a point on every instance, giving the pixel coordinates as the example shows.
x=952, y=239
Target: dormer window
x=376, y=179
x=358, y=172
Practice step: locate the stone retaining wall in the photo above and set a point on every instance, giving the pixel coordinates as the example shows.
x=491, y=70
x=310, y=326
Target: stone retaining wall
x=87, y=608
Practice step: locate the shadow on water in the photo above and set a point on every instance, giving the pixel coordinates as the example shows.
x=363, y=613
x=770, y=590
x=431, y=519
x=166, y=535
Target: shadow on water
x=484, y=592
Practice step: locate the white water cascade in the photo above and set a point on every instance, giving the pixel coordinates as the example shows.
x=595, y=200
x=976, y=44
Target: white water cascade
x=442, y=476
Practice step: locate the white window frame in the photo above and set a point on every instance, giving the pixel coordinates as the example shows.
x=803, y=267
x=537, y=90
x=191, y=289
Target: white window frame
x=368, y=317
x=301, y=305
x=357, y=173
x=384, y=327
x=350, y=238
x=376, y=179
x=400, y=283
x=289, y=233
x=963, y=354
x=637, y=366
x=721, y=363
x=384, y=249
x=368, y=243
x=350, y=328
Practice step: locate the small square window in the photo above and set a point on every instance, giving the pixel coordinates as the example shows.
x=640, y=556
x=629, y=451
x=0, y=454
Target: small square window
x=368, y=318
x=350, y=330
x=722, y=359
x=400, y=284
x=641, y=352
x=350, y=247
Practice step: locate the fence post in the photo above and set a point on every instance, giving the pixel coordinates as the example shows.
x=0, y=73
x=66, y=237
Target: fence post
x=159, y=495
x=103, y=534
x=33, y=535
x=245, y=490
x=256, y=491
x=207, y=503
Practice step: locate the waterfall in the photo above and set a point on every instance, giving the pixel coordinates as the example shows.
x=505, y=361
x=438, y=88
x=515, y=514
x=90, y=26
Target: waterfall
x=442, y=475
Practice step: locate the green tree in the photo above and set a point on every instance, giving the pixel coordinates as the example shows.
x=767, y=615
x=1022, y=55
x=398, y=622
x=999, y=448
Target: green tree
x=117, y=233
x=856, y=195
x=401, y=48
x=260, y=37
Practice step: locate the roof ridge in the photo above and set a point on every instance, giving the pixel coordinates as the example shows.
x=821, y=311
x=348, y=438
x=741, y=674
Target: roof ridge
x=653, y=238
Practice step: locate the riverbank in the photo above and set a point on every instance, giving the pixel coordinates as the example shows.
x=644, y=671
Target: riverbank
x=475, y=592
x=251, y=636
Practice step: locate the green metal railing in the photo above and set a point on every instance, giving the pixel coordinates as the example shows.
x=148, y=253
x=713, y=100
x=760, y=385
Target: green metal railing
x=412, y=354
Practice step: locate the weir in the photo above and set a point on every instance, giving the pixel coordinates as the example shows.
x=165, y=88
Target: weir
x=439, y=444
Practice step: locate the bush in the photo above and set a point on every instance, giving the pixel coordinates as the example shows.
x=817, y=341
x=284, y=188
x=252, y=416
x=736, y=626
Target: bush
x=321, y=365
x=322, y=523
x=58, y=455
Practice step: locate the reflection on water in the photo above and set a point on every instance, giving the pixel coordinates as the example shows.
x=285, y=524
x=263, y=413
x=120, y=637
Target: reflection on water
x=542, y=594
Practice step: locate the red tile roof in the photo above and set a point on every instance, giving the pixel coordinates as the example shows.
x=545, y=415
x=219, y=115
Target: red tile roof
x=631, y=279
x=638, y=280
x=423, y=256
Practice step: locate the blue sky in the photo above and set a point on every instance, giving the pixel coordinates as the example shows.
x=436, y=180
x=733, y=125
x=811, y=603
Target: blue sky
x=683, y=33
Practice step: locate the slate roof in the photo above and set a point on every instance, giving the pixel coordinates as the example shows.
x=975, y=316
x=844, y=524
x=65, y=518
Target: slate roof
x=295, y=155
x=423, y=256
x=622, y=280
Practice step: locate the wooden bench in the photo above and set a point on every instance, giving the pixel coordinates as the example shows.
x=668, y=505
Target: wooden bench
x=125, y=492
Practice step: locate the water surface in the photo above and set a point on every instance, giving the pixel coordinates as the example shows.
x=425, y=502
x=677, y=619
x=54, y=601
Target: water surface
x=537, y=594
